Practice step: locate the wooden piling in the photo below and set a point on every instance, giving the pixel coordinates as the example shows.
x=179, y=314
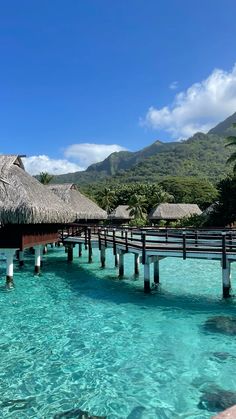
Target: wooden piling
x=116, y=260
x=147, y=285
x=226, y=279
x=37, y=259
x=70, y=252
x=156, y=271
x=121, y=264
x=136, y=263
x=21, y=258
x=90, y=251
x=103, y=256
x=80, y=250
x=9, y=268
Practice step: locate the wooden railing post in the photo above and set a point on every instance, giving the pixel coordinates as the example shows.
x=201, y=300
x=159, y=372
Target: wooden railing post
x=223, y=250
x=184, y=245
x=196, y=238
x=143, y=239
x=99, y=238
x=86, y=238
x=126, y=241
x=105, y=236
x=89, y=245
x=114, y=241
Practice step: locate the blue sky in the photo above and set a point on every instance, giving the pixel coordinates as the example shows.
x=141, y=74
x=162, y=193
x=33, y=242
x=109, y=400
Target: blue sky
x=81, y=78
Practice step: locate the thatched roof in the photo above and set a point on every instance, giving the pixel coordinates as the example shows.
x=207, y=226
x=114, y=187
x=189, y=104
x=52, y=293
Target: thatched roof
x=24, y=200
x=83, y=207
x=121, y=213
x=173, y=211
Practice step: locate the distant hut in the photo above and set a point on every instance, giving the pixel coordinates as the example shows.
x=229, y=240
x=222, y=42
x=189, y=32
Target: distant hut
x=120, y=215
x=84, y=208
x=173, y=212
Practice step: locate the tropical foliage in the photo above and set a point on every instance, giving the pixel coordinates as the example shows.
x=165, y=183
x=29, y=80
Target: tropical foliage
x=106, y=199
x=231, y=141
x=45, y=178
x=137, y=207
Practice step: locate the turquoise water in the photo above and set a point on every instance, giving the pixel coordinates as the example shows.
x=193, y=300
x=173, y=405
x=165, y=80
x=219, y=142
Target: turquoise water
x=77, y=337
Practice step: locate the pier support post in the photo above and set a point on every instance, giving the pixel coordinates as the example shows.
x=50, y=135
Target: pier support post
x=116, y=260
x=121, y=263
x=226, y=279
x=80, y=250
x=37, y=259
x=147, y=286
x=156, y=274
x=21, y=258
x=9, y=268
x=90, y=252
x=45, y=249
x=70, y=253
x=103, y=256
x=136, y=263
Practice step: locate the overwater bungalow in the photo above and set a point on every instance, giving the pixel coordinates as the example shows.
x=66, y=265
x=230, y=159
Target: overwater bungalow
x=120, y=215
x=30, y=214
x=173, y=212
x=84, y=208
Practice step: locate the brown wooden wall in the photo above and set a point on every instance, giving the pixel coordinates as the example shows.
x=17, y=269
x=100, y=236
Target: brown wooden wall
x=16, y=236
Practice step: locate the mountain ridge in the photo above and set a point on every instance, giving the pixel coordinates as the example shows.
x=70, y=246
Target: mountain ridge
x=201, y=155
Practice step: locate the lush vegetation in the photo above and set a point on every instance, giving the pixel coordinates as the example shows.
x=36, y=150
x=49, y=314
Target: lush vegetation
x=191, y=171
x=45, y=178
x=203, y=155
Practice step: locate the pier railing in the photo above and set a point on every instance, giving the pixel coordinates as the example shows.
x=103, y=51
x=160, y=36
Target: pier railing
x=184, y=241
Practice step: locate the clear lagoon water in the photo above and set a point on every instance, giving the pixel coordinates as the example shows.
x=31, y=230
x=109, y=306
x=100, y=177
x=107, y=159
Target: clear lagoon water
x=76, y=337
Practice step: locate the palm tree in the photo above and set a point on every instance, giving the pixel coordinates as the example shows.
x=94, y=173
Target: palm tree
x=45, y=178
x=106, y=199
x=231, y=141
x=137, y=206
x=161, y=197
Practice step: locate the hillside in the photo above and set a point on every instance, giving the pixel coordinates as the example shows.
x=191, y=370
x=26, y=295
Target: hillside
x=203, y=155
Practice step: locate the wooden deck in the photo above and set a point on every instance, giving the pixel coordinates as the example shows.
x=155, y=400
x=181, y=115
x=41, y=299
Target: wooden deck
x=154, y=244
x=206, y=244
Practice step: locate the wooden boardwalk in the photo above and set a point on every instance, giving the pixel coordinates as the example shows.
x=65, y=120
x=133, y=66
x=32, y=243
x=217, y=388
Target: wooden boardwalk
x=151, y=245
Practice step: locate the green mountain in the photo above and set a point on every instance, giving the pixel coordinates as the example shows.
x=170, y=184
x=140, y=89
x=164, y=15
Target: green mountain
x=203, y=155
x=123, y=160
x=224, y=129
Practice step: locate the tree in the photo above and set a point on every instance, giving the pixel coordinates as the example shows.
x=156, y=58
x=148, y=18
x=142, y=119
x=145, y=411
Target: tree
x=106, y=199
x=231, y=141
x=45, y=178
x=137, y=206
x=190, y=190
x=225, y=210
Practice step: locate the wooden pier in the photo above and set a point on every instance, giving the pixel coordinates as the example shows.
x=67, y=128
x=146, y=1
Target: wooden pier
x=151, y=245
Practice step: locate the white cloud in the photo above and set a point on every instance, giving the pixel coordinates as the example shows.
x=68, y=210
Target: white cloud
x=36, y=164
x=88, y=153
x=173, y=85
x=198, y=108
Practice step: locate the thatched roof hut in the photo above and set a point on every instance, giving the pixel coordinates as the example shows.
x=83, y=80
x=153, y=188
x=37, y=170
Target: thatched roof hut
x=83, y=207
x=174, y=211
x=24, y=200
x=121, y=213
